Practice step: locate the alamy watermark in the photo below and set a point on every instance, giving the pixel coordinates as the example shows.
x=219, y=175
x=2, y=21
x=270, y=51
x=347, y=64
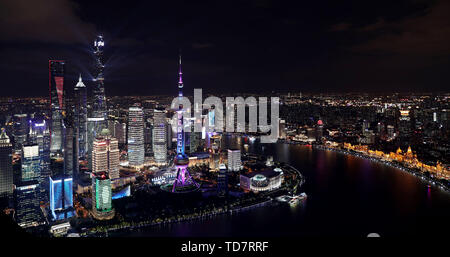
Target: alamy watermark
x=235, y=107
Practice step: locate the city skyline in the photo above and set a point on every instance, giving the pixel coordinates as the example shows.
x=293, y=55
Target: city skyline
x=225, y=127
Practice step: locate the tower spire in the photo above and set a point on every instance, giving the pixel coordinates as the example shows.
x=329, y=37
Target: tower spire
x=180, y=76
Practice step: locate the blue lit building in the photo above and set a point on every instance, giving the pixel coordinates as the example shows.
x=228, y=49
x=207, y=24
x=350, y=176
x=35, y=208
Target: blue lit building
x=61, y=197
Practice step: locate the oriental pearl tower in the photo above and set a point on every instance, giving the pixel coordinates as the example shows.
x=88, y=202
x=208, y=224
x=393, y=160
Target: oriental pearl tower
x=184, y=181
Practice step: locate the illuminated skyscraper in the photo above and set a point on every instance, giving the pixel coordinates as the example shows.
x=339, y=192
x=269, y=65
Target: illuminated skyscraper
x=40, y=134
x=80, y=117
x=20, y=131
x=102, y=196
x=105, y=156
x=57, y=104
x=6, y=171
x=159, y=140
x=136, y=151
x=98, y=115
x=184, y=181
x=61, y=197
x=222, y=181
x=234, y=159
x=99, y=99
x=26, y=196
x=31, y=162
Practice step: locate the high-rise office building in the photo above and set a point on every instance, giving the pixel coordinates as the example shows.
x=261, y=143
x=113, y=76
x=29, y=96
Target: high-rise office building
x=194, y=140
x=6, y=171
x=70, y=140
x=61, y=197
x=105, y=156
x=234, y=159
x=222, y=181
x=20, y=131
x=101, y=196
x=282, y=129
x=80, y=117
x=57, y=104
x=136, y=151
x=148, y=139
x=31, y=163
x=40, y=135
x=159, y=137
x=27, y=209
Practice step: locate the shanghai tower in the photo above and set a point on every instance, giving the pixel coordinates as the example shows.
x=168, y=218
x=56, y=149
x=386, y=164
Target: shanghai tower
x=97, y=120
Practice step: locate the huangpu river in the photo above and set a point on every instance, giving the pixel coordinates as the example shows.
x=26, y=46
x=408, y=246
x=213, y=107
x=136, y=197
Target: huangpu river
x=347, y=195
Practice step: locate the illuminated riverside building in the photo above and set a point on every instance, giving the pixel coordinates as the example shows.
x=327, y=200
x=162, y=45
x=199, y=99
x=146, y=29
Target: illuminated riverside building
x=6, y=171
x=234, y=160
x=259, y=181
x=80, y=117
x=136, y=150
x=105, y=156
x=408, y=158
x=102, y=196
x=31, y=163
x=57, y=104
x=184, y=181
x=159, y=137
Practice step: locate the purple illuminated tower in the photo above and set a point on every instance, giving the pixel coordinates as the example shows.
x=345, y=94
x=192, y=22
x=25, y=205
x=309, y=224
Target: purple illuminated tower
x=184, y=181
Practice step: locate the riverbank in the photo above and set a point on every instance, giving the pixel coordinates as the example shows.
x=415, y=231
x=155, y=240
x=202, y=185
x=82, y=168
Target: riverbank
x=266, y=199
x=417, y=173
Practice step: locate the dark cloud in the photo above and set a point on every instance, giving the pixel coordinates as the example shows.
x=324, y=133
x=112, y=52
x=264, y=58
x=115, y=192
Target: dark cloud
x=426, y=32
x=43, y=21
x=229, y=46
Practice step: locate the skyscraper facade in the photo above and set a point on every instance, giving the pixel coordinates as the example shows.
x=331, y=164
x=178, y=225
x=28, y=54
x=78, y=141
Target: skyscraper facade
x=27, y=210
x=222, y=181
x=159, y=138
x=136, y=151
x=234, y=159
x=40, y=135
x=97, y=116
x=31, y=162
x=99, y=109
x=20, y=130
x=61, y=197
x=6, y=171
x=105, y=156
x=102, y=196
x=80, y=117
x=57, y=104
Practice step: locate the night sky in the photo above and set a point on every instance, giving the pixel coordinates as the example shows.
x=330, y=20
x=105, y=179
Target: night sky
x=229, y=46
